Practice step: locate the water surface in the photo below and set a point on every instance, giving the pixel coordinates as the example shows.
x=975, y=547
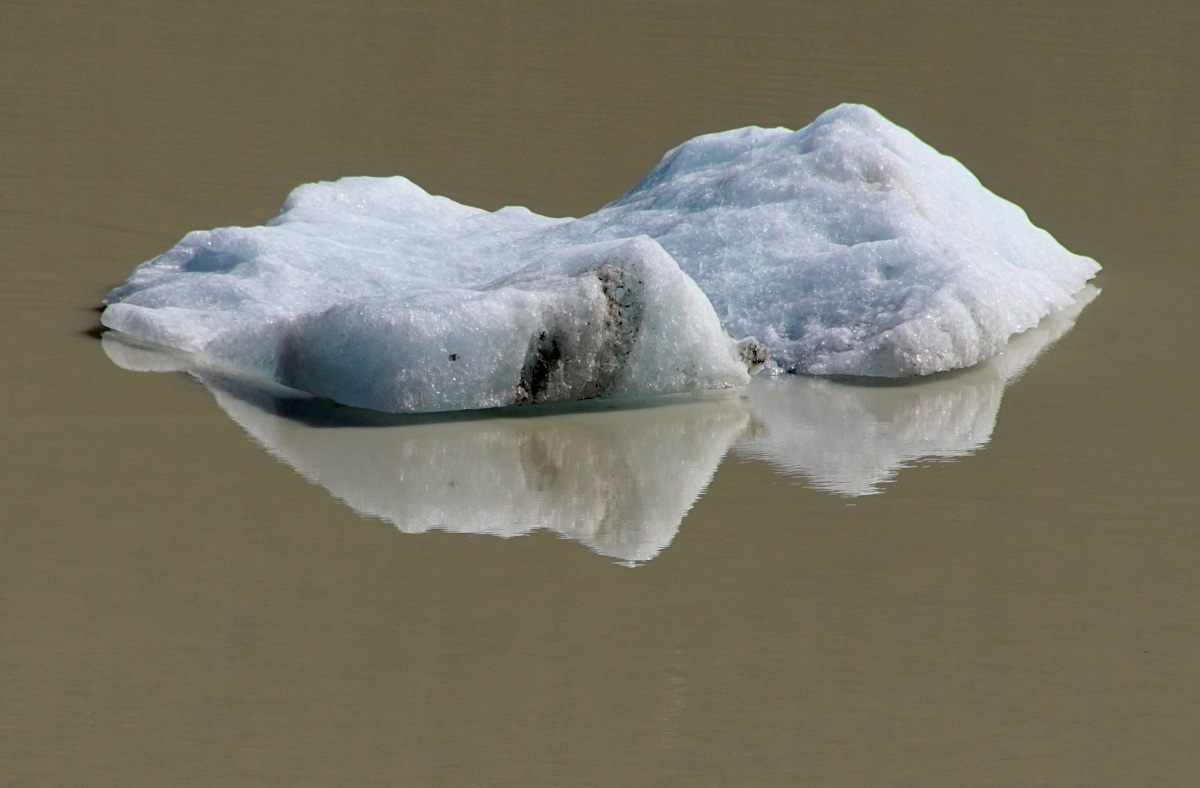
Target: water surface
x=1015, y=603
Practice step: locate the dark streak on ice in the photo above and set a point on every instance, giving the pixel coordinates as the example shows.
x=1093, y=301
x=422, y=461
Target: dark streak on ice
x=565, y=363
x=544, y=358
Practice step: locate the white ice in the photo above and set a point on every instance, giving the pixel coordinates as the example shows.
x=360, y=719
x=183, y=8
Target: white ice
x=404, y=334
x=848, y=247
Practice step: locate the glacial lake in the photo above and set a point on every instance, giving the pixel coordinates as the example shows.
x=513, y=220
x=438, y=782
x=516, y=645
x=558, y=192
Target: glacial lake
x=991, y=577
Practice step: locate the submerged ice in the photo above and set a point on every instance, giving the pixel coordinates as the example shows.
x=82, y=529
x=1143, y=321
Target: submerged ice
x=846, y=248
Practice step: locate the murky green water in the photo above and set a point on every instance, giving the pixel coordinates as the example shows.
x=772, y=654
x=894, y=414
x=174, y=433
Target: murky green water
x=228, y=589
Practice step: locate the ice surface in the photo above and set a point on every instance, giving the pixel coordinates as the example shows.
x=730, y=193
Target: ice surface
x=618, y=479
x=405, y=334
x=848, y=247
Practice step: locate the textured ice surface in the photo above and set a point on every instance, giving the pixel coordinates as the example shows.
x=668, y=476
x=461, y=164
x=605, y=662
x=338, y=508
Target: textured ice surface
x=618, y=480
x=400, y=333
x=848, y=247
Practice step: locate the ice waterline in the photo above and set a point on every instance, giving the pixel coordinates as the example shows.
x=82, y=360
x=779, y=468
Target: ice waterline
x=618, y=478
x=846, y=248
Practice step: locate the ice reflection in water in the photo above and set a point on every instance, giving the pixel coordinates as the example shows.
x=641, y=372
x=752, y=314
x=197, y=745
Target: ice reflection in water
x=618, y=482
x=850, y=438
x=617, y=479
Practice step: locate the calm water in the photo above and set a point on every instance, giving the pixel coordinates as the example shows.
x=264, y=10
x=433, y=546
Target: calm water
x=228, y=589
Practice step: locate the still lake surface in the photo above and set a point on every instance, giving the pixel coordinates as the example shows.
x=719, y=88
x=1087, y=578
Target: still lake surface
x=988, y=578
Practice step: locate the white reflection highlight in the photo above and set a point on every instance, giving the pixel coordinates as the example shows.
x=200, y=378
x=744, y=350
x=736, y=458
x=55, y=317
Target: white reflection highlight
x=617, y=478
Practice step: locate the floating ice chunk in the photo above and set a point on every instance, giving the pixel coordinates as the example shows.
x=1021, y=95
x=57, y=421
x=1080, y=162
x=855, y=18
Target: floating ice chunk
x=848, y=247
x=608, y=320
x=614, y=319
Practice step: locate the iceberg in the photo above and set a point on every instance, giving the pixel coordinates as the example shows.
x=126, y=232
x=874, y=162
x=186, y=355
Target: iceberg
x=848, y=248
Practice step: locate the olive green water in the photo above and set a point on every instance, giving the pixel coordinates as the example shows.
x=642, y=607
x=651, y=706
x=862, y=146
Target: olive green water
x=179, y=606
